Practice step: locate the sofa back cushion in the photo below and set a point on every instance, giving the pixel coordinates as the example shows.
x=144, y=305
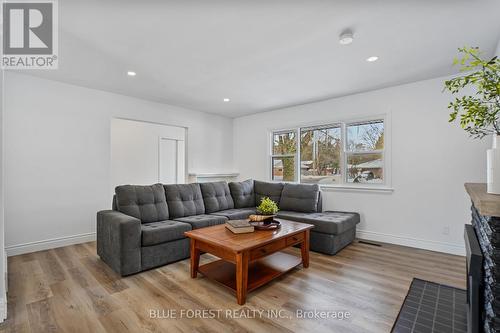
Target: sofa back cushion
x=147, y=203
x=243, y=194
x=265, y=189
x=216, y=196
x=184, y=200
x=300, y=198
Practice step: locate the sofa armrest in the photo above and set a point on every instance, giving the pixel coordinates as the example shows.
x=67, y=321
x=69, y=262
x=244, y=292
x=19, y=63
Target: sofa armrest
x=119, y=241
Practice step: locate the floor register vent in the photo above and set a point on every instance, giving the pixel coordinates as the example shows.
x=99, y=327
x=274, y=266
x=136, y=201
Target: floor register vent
x=369, y=243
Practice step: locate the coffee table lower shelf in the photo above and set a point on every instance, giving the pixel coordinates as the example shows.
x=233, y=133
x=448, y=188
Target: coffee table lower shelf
x=260, y=271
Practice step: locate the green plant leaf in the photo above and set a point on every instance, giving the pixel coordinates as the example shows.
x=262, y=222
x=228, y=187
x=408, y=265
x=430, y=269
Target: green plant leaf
x=267, y=207
x=478, y=114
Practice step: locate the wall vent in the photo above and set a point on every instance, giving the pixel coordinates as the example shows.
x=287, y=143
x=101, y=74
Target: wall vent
x=369, y=243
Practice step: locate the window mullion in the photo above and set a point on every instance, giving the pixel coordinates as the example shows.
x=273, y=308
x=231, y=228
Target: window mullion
x=281, y=155
x=297, y=155
x=343, y=156
x=362, y=152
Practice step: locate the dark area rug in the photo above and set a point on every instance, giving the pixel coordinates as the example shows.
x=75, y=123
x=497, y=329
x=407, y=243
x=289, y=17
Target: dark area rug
x=432, y=308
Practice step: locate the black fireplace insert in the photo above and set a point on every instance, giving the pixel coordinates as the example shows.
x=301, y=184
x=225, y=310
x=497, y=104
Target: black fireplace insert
x=475, y=291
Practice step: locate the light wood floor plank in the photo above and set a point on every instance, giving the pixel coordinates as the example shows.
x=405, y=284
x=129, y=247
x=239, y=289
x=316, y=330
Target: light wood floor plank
x=70, y=289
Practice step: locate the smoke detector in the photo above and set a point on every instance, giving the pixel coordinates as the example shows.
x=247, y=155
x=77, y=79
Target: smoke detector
x=346, y=37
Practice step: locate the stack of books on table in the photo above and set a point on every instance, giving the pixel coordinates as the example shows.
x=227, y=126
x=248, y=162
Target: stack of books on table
x=239, y=226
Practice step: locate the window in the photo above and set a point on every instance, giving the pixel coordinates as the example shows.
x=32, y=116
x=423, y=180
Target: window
x=335, y=154
x=320, y=154
x=365, y=152
x=283, y=156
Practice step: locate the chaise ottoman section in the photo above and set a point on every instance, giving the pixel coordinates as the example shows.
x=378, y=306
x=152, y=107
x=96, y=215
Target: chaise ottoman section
x=329, y=222
x=332, y=230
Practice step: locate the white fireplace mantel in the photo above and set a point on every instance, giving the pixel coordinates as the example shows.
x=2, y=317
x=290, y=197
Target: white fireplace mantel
x=212, y=177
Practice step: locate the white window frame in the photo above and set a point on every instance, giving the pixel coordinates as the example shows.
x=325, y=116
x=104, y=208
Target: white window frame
x=386, y=183
x=347, y=152
x=273, y=156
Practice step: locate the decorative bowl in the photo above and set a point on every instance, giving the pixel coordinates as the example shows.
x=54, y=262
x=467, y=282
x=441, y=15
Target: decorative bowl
x=261, y=218
x=263, y=225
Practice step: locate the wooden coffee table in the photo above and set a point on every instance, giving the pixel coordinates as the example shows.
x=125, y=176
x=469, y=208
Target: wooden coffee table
x=250, y=260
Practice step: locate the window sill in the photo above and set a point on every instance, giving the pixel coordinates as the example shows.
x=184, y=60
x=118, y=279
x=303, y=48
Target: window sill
x=348, y=188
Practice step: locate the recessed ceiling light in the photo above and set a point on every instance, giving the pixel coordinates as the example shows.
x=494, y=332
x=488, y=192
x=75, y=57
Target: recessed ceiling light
x=372, y=59
x=130, y=73
x=346, y=38
x=226, y=100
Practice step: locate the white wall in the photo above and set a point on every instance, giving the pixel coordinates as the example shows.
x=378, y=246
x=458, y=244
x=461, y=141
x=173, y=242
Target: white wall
x=431, y=160
x=57, y=155
x=135, y=153
x=3, y=261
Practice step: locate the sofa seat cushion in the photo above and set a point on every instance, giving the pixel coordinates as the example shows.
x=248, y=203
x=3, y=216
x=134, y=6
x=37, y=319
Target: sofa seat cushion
x=243, y=194
x=300, y=198
x=184, y=200
x=265, y=189
x=216, y=196
x=328, y=222
x=237, y=213
x=146, y=203
x=202, y=221
x=162, y=231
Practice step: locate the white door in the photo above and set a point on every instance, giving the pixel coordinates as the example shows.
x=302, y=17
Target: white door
x=171, y=161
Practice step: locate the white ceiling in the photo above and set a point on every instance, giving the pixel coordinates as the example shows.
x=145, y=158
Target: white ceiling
x=263, y=54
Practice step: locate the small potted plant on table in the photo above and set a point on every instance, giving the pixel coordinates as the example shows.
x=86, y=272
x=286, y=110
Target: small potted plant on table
x=266, y=212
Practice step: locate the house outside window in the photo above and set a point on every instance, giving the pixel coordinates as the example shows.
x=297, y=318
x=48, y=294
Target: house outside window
x=365, y=152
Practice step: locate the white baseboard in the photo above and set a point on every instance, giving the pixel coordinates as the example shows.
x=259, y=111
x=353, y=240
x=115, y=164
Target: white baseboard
x=3, y=308
x=451, y=248
x=458, y=249
x=5, y=268
x=49, y=244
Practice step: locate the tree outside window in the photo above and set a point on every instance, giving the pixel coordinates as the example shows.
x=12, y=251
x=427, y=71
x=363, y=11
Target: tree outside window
x=365, y=145
x=283, y=158
x=320, y=155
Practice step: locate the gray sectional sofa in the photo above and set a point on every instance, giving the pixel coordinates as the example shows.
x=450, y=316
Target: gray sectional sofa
x=146, y=225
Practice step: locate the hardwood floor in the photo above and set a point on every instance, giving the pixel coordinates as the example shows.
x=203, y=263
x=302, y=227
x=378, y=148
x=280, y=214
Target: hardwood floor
x=70, y=290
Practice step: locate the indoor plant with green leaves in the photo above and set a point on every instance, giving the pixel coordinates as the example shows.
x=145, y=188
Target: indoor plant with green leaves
x=477, y=107
x=267, y=207
x=266, y=210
